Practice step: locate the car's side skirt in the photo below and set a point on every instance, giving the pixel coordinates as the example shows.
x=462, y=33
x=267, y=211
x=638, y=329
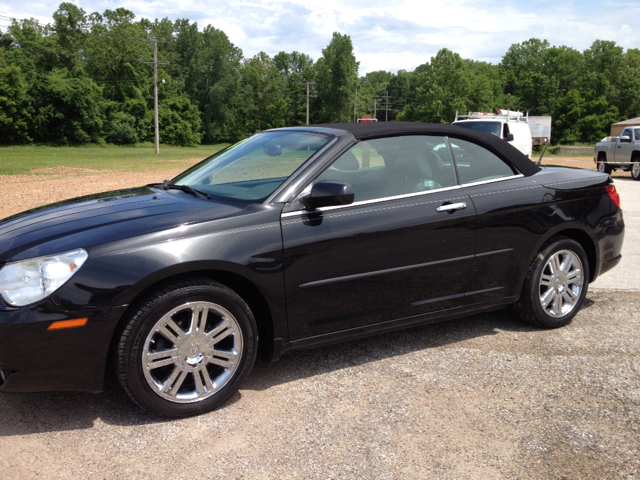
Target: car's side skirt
x=389, y=326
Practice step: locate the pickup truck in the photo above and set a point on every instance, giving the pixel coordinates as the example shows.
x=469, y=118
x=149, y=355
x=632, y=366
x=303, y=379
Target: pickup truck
x=506, y=124
x=621, y=152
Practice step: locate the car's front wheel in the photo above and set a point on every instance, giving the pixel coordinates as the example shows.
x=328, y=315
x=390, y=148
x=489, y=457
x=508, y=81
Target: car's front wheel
x=187, y=348
x=556, y=284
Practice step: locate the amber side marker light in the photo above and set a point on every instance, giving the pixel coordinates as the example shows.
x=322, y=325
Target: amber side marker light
x=76, y=322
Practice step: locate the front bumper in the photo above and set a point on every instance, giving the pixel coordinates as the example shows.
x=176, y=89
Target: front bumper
x=34, y=359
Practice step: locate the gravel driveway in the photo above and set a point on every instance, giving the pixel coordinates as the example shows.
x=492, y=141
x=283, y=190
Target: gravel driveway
x=481, y=397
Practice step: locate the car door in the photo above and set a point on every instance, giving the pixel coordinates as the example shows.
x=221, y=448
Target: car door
x=623, y=149
x=402, y=249
x=512, y=212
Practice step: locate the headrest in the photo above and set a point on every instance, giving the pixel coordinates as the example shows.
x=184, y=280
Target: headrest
x=347, y=161
x=414, y=165
x=434, y=160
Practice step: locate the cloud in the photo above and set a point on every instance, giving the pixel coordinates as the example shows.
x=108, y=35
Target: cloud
x=386, y=34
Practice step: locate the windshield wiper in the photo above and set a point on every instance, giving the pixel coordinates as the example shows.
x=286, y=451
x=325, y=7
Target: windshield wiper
x=167, y=185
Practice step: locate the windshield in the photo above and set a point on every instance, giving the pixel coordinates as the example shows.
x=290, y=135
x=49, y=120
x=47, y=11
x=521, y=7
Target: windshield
x=252, y=169
x=487, y=127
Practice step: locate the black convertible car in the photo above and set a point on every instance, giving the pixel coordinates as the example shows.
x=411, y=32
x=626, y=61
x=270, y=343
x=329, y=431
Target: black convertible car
x=292, y=238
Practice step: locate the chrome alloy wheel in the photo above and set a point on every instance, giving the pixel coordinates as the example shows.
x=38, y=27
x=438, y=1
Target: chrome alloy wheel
x=561, y=283
x=601, y=167
x=192, y=352
x=635, y=170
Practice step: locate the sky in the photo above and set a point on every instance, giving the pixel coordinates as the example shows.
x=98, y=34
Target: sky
x=386, y=34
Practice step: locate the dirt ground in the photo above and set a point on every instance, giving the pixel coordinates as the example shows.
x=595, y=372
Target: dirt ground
x=43, y=186
x=22, y=192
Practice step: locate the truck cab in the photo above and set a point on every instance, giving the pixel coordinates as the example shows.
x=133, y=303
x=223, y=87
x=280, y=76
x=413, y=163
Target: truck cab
x=511, y=126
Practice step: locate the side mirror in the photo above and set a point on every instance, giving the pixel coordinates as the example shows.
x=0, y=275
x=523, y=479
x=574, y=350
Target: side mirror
x=625, y=139
x=328, y=194
x=509, y=137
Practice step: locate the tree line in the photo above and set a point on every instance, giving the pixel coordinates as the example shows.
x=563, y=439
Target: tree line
x=83, y=79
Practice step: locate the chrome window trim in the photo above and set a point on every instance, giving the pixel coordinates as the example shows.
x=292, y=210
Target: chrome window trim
x=372, y=201
x=493, y=180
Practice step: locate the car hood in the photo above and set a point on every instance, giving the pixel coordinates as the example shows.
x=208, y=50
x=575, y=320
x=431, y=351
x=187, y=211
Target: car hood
x=101, y=218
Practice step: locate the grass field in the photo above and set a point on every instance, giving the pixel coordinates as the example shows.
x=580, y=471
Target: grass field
x=139, y=158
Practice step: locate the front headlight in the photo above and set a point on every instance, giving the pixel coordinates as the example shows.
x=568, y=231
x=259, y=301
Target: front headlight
x=28, y=281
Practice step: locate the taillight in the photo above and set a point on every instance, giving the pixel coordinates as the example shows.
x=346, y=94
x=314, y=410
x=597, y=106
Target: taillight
x=613, y=195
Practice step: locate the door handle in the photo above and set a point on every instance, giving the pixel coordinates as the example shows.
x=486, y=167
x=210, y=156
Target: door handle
x=451, y=207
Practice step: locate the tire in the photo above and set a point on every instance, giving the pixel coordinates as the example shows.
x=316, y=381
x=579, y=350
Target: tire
x=635, y=169
x=537, y=304
x=603, y=166
x=174, y=360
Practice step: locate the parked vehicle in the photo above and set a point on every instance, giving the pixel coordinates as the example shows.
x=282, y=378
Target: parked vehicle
x=294, y=238
x=621, y=152
x=510, y=126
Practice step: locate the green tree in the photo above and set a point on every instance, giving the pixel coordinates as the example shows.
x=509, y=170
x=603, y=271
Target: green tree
x=442, y=87
x=337, y=77
x=69, y=108
x=179, y=122
x=526, y=76
x=14, y=116
x=295, y=69
x=207, y=64
x=402, y=96
x=570, y=112
x=261, y=101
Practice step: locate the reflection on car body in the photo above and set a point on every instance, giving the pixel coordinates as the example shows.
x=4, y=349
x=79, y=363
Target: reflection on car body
x=293, y=238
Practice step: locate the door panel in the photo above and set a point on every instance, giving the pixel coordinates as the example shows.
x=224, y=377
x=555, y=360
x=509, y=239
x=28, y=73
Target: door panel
x=512, y=215
x=512, y=212
x=378, y=261
x=623, y=149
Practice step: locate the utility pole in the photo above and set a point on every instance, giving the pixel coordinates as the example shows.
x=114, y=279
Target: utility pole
x=375, y=108
x=355, y=107
x=386, y=113
x=155, y=63
x=308, y=97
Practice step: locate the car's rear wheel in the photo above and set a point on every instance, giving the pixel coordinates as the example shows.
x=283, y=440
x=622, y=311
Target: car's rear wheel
x=635, y=169
x=556, y=284
x=187, y=348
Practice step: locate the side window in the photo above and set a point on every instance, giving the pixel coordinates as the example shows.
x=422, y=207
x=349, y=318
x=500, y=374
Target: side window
x=387, y=167
x=637, y=130
x=627, y=132
x=477, y=164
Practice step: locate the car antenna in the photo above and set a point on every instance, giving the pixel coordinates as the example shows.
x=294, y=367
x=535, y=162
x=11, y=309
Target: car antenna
x=540, y=159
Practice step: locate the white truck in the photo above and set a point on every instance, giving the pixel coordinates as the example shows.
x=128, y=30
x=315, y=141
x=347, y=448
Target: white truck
x=621, y=152
x=513, y=126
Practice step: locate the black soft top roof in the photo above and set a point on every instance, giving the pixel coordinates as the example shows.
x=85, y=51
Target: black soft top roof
x=369, y=130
